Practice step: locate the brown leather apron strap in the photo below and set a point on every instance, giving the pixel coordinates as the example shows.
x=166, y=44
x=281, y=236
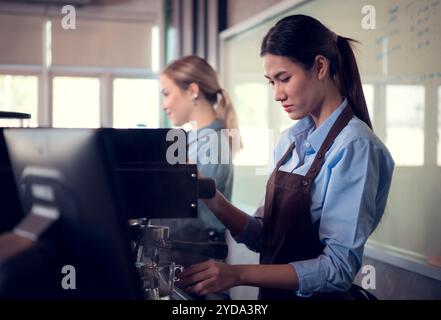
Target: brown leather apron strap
x=286, y=156
x=316, y=165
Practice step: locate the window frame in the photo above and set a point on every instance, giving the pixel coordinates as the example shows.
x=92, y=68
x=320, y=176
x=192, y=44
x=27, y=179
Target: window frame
x=46, y=72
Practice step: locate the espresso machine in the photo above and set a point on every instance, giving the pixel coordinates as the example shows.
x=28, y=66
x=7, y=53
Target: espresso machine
x=154, y=249
x=87, y=229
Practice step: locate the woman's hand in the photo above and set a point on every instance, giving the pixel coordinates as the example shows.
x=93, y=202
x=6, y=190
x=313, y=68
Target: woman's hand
x=209, y=276
x=212, y=276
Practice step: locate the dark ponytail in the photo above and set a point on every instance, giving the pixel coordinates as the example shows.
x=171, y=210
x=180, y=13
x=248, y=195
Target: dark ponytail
x=301, y=38
x=348, y=79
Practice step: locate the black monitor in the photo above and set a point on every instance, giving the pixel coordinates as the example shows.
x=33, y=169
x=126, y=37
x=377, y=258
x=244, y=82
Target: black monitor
x=66, y=173
x=149, y=185
x=10, y=209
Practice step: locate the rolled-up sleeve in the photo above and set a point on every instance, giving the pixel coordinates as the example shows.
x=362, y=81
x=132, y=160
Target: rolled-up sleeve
x=355, y=195
x=251, y=234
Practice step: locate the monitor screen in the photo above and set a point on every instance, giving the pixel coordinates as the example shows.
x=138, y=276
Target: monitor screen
x=149, y=185
x=66, y=172
x=10, y=209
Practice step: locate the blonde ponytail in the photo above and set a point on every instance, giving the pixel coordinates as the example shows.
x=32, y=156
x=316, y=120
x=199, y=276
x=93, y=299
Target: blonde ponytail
x=226, y=113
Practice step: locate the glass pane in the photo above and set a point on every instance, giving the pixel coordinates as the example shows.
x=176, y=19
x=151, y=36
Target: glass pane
x=19, y=94
x=256, y=146
x=368, y=90
x=135, y=103
x=439, y=126
x=405, y=124
x=76, y=102
x=250, y=101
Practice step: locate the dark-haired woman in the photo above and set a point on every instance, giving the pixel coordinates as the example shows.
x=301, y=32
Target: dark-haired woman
x=330, y=182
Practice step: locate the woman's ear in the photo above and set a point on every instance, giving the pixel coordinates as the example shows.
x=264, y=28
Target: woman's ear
x=194, y=90
x=321, y=67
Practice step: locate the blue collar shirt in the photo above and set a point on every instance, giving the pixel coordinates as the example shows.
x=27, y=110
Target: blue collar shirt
x=348, y=198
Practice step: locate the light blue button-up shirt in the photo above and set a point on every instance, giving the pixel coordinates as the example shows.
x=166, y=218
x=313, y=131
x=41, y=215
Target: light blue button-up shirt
x=348, y=198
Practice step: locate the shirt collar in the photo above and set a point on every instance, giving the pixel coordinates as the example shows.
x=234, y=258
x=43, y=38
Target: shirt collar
x=194, y=135
x=318, y=135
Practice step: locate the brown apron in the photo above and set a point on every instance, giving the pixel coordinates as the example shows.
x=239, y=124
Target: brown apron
x=288, y=232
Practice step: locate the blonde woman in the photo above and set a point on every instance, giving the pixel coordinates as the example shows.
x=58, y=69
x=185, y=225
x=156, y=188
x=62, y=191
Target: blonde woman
x=192, y=94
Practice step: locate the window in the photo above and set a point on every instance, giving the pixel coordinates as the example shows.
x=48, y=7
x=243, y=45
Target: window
x=250, y=101
x=122, y=44
x=405, y=124
x=76, y=102
x=439, y=126
x=19, y=94
x=135, y=103
x=368, y=90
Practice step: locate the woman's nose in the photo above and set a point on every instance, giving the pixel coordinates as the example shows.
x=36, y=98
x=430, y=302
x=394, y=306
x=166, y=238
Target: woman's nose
x=279, y=93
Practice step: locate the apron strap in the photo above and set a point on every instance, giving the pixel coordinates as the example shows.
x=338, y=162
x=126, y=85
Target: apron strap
x=316, y=165
x=286, y=156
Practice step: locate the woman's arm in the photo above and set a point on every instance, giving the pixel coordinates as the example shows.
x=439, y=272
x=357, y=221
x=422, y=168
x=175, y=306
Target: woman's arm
x=233, y=218
x=212, y=276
